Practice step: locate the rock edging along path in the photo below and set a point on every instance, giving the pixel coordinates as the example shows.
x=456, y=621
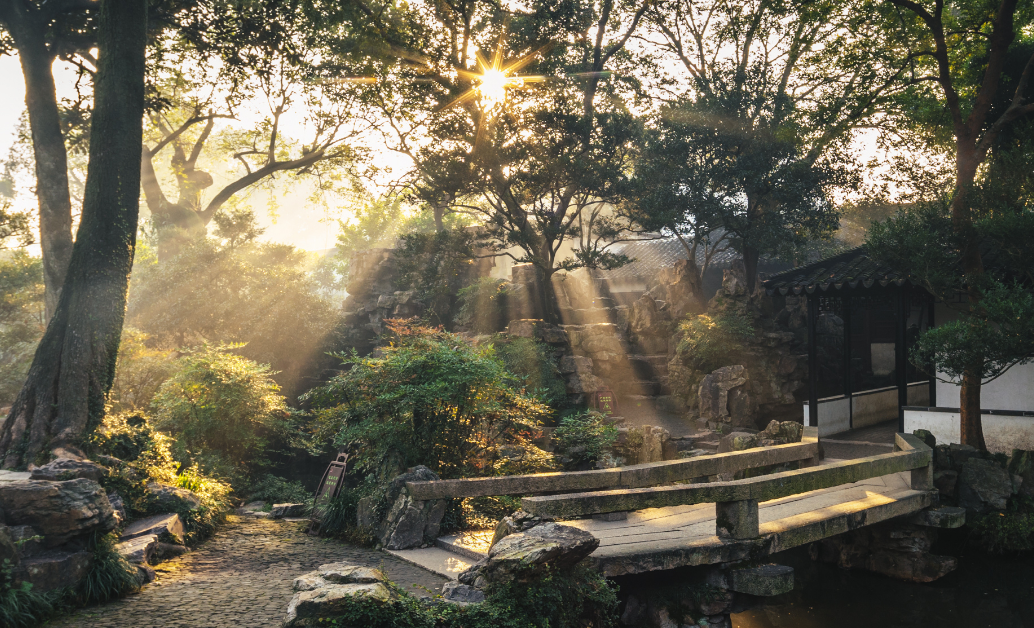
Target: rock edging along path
x=241, y=576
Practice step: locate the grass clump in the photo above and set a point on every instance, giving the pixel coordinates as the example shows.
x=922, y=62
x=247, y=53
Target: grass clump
x=20, y=605
x=110, y=576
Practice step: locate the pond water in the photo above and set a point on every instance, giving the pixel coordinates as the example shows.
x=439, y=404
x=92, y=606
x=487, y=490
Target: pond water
x=984, y=592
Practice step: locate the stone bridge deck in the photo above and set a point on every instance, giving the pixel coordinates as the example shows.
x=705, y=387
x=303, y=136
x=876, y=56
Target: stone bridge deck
x=675, y=524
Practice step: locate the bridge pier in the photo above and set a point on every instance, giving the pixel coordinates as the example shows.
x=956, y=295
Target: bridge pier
x=737, y=520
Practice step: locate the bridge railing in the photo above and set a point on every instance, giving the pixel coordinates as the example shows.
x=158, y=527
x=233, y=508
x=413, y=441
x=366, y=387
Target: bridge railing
x=630, y=477
x=736, y=501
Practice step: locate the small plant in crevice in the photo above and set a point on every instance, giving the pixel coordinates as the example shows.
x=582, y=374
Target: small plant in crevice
x=110, y=575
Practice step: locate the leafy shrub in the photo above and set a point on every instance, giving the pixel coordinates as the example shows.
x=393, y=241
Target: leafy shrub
x=432, y=399
x=435, y=265
x=276, y=490
x=584, y=437
x=110, y=575
x=533, y=366
x=223, y=409
x=581, y=598
x=483, y=513
x=338, y=517
x=20, y=606
x=707, y=342
x=1003, y=532
x=482, y=305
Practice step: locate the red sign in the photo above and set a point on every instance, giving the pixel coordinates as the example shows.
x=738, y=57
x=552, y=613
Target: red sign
x=605, y=401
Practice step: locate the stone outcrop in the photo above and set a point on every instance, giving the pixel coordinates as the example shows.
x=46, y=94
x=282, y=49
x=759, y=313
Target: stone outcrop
x=519, y=521
x=167, y=498
x=138, y=550
x=280, y=511
x=168, y=528
x=983, y=486
x=326, y=592
x=456, y=592
x=69, y=469
x=716, y=396
x=55, y=569
x=892, y=549
x=409, y=522
x=60, y=511
x=650, y=328
x=524, y=554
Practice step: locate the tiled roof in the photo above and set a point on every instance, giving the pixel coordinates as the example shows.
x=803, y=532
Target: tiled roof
x=651, y=255
x=850, y=269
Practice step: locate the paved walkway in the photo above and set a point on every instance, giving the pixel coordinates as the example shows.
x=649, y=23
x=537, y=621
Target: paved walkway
x=240, y=577
x=862, y=442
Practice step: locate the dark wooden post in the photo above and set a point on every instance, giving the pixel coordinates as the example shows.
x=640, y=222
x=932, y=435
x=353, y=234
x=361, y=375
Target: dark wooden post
x=901, y=354
x=931, y=304
x=846, y=307
x=813, y=361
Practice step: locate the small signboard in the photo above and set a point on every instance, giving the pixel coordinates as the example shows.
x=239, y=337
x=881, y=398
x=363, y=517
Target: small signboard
x=605, y=401
x=333, y=478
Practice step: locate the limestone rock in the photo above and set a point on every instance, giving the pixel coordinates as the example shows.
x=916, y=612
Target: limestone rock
x=171, y=498
x=519, y=521
x=69, y=469
x=983, y=486
x=328, y=601
x=309, y=581
x=280, y=511
x=456, y=592
x=168, y=527
x=714, y=391
x=960, y=454
x=927, y=437
x=523, y=554
x=8, y=550
x=140, y=549
x=169, y=550
x=118, y=506
x=410, y=523
x=344, y=573
x=783, y=432
x=145, y=575
x=575, y=364
x=945, y=482
x=55, y=569
x=578, y=383
x=60, y=511
x=28, y=541
x=737, y=441
x=1021, y=464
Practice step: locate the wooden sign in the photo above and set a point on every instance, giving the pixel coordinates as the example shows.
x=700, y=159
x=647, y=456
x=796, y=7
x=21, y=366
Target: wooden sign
x=605, y=401
x=333, y=478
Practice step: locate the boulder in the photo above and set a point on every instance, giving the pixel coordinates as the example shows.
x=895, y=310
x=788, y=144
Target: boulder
x=55, y=569
x=737, y=441
x=280, y=511
x=8, y=550
x=327, y=591
x=69, y=469
x=575, y=364
x=145, y=575
x=138, y=550
x=169, y=550
x=524, y=554
x=927, y=437
x=942, y=457
x=714, y=391
x=119, y=507
x=960, y=454
x=945, y=482
x=983, y=486
x=519, y=521
x=60, y=511
x=27, y=539
x=783, y=432
x=456, y=592
x=410, y=523
x=167, y=527
x=1021, y=464
x=171, y=498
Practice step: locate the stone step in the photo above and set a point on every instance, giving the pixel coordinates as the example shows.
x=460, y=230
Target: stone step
x=138, y=550
x=471, y=545
x=168, y=527
x=436, y=560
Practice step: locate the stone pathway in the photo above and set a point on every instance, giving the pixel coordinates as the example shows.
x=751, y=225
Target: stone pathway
x=240, y=577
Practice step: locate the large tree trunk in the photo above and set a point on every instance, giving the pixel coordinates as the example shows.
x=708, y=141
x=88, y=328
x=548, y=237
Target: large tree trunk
x=63, y=397
x=751, y=256
x=48, y=144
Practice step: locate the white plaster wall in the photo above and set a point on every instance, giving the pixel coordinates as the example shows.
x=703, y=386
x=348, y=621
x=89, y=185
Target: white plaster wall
x=834, y=415
x=1014, y=390
x=1002, y=434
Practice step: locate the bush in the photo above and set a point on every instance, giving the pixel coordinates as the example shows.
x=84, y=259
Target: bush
x=432, y=399
x=583, y=438
x=1004, y=532
x=139, y=372
x=435, y=265
x=276, y=490
x=338, y=517
x=223, y=408
x=708, y=342
x=533, y=366
x=581, y=598
x=482, y=305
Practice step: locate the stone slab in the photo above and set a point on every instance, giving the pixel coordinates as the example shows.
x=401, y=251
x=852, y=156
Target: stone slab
x=167, y=525
x=940, y=517
x=139, y=549
x=435, y=560
x=763, y=581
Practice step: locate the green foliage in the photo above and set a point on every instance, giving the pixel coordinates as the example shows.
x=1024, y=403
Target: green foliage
x=432, y=399
x=581, y=598
x=1002, y=532
x=583, y=438
x=707, y=342
x=534, y=367
x=481, y=513
x=139, y=372
x=337, y=517
x=436, y=265
x=20, y=606
x=223, y=409
x=21, y=320
x=276, y=490
x=258, y=294
x=482, y=305
x=110, y=575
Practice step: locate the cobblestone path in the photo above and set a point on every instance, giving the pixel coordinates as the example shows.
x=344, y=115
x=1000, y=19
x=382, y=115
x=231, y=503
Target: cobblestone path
x=240, y=577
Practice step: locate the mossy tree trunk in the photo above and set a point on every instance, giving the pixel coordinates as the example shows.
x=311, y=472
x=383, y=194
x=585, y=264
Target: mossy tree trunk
x=72, y=371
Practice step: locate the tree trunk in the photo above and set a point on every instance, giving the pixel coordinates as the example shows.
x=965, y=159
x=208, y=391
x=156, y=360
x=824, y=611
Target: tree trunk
x=971, y=428
x=48, y=144
x=751, y=255
x=72, y=371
